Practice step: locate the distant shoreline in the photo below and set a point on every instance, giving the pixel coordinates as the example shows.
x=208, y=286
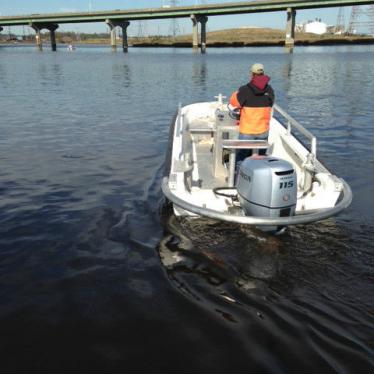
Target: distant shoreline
x=303, y=43
x=230, y=38
x=323, y=42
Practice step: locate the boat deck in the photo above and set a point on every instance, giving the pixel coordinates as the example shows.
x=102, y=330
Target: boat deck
x=204, y=156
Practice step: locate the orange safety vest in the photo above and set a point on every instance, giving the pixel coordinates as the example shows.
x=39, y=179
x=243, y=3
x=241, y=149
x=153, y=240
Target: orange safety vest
x=253, y=120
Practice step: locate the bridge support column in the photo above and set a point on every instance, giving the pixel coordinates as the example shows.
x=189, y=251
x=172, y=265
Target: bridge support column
x=125, y=43
x=290, y=28
x=203, y=20
x=195, y=32
x=53, y=40
x=113, y=35
x=52, y=27
x=113, y=39
x=124, y=24
x=38, y=37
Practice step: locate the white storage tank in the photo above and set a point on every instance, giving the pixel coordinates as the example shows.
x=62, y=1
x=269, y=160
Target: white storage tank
x=316, y=27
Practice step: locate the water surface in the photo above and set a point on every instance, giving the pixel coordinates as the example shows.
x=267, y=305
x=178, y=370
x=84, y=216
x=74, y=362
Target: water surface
x=96, y=274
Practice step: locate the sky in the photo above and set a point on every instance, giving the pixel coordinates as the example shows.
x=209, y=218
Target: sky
x=272, y=20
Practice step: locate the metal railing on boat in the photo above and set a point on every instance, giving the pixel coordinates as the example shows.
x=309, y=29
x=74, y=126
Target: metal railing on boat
x=291, y=122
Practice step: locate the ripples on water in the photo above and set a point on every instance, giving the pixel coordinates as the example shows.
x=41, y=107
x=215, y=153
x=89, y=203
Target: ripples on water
x=95, y=271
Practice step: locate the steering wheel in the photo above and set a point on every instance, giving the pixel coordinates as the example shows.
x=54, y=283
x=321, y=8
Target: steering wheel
x=234, y=112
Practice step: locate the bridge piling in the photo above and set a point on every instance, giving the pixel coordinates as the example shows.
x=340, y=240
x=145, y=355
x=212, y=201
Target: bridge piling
x=203, y=20
x=53, y=40
x=290, y=27
x=38, y=37
x=113, y=35
x=113, y=38
x=124, y=24
x=195, y=32
x=125, y=43
x=52, y=27
x=196, y=19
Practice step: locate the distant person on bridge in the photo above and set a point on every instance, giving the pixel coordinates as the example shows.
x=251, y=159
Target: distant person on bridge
x=255, y=101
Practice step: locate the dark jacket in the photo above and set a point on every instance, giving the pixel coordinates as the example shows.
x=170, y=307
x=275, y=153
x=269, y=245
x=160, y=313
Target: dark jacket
x=256, y=93
x=255, y=101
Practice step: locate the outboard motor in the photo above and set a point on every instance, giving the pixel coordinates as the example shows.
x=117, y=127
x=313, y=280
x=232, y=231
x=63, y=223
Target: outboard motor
x=267, y=187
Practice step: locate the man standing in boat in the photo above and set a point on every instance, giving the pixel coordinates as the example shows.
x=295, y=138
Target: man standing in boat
x=255, y=101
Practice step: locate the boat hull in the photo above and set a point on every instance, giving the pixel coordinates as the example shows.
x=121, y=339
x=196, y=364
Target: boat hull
x=201, y=158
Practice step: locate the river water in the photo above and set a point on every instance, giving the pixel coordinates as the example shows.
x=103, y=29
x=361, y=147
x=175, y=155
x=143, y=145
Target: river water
x=97, y=275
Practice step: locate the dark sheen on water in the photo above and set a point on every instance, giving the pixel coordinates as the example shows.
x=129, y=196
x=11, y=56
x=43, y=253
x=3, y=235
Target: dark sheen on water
x=97, y=275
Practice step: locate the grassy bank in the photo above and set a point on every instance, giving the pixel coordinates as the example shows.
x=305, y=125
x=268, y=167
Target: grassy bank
x=252, y=37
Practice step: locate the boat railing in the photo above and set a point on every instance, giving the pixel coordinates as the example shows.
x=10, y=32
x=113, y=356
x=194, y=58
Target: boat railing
x=291, y=122
x=179, y=130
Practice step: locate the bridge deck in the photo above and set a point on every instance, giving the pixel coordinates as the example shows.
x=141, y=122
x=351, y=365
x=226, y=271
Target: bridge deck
x=177, y=12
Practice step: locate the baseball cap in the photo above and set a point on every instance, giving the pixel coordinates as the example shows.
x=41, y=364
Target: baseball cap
x=257, y=68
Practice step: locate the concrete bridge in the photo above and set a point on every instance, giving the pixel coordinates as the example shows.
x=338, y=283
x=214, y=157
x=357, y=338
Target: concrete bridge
x=197, y=14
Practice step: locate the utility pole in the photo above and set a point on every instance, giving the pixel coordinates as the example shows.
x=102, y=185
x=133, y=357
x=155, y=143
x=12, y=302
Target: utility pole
x=362, y=20
x=174, y=26
x=370, y=14
x=340, y=22
x=142, y=29
x=352, y=27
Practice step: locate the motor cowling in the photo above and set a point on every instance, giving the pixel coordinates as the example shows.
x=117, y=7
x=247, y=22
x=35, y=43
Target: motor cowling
x=267, y=187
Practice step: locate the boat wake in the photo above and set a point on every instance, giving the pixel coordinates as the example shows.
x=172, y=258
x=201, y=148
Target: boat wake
x=140, y=221
x=285, y=288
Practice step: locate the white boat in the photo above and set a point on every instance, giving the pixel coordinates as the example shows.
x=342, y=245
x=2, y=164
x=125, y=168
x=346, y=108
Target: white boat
x=287, y=186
